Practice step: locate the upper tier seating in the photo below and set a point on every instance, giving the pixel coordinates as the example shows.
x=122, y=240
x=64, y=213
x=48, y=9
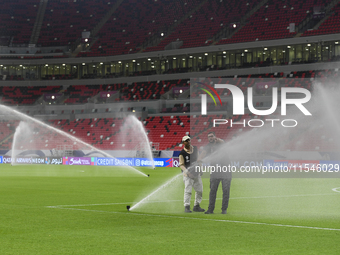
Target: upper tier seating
x=136, y=25
x=17, y=19
x=200, y=27
x=272, y=20
x=329, y=26
x=65, y=20
x=134, y=22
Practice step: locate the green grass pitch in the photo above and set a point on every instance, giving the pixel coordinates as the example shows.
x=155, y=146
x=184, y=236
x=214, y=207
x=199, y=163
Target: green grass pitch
x=82, y=210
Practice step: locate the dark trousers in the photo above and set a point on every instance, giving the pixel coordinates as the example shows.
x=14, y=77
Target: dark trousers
x=214, y=183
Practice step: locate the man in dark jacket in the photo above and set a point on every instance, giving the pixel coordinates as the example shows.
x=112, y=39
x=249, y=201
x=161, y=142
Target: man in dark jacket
x=191, y=178
x=211, y=149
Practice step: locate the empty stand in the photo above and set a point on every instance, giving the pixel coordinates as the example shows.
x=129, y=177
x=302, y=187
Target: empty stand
x=17, y=19
x=79, y=94
x=24, y=95
x=133, y=22
x=272, y=20
x=329, y=26
x=200, y=27
x=150, y=90
x=65, y=20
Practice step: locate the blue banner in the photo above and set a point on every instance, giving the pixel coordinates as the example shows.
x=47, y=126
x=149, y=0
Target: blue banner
x=158, y=162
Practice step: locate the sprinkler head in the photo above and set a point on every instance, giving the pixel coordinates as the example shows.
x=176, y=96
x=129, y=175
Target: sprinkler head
x=148, y=175
x=128, y=207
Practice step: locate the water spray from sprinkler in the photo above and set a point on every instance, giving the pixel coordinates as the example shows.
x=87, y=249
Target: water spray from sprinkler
x=26, y=117
x=145, y=199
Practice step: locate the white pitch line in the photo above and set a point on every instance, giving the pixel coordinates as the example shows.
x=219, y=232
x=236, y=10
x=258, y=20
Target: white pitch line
x=57, y=206
x=124, y=203
x=166, y=201
x=203, y=219
x=301, y=195
x=336, y=189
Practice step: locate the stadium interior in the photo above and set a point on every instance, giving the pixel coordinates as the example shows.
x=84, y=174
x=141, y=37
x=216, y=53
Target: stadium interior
x=83, y=66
